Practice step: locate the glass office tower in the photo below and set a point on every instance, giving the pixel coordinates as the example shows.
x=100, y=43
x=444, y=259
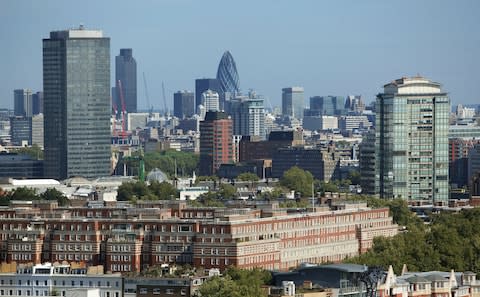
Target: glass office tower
x=126, y=72
x=293, y=102
x=76, y=84
x=412, y=140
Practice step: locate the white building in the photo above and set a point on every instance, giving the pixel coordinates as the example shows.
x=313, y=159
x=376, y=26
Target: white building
x=37, y=130
x=192, y=193
x=351, y=122
x=59, y=280
x=137, y=120
x=211, y=100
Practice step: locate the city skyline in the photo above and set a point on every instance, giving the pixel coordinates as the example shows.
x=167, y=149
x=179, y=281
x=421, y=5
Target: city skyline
x=313, y=49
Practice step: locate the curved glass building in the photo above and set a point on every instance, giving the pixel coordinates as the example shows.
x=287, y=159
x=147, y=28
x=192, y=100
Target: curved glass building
x=227, y=74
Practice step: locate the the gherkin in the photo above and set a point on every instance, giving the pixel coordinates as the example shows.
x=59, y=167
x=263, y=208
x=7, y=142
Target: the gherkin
x=227, y=74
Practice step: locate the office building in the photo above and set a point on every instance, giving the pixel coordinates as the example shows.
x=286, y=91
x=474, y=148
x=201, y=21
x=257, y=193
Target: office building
x=183, y=104
x=37, y=103
x=368, y=180
x=227, y=75
x=215, y=142
x=76, y=85
x=126, y=73
x=37, y=130
x=470, y=131
x=14, y=165
x=293, y=102
x=474, y=161
x=320, y=122
x=412, y=140
x=22, y=103
x=327, y=105
x=211, y=101
x=322, y=163
x=354, y=104
x=248, y=115
x=252, y=148
x=351, y=122
x=202, y=85
x=21, y=131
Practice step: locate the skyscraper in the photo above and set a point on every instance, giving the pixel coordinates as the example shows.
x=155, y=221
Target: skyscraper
x=76, y=84
x=203, y=84
x=183, y=104
x=248, y=116
x=37, y=103
x=215, y=142
x=227, y=74
x=126, y=72
x=327, y=105
x=292, y=102
x=22, y=103
x=412, y=140
x=211, y=100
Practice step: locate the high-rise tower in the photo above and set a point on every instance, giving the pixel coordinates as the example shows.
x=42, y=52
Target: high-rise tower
x=227, y=74
x=203, y=84
x=22, y=103
x=215, y=142
x=412, y=140
x=126, y=72
x=183, y=104
x=76, y=84
x=292, y=102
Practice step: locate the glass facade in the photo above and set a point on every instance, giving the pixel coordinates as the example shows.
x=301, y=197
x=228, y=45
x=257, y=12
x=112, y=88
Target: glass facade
x=412, y=141
x=203, y=84
x=327, y=105
x=183, y=104
x=76, y=72
x=293, y=102
x=126, y=72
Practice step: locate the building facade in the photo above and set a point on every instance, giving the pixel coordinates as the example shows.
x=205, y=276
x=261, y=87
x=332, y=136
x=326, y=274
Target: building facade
x=248, y=115
x=183, y=104
x=37, y=103
x=293, y=102
x=21, y=130
x=130, y=239
x=215, y=142
x=20, y=166
x=412, y=140
x=203, y=84
x=126, y=73
x=368, y=178
x=327, y=105
x=227, y=74
x=211, y=101
x=76, y=83
x=22, y=103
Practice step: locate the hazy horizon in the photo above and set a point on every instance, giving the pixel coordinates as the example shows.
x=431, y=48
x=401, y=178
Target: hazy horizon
x=329, y=48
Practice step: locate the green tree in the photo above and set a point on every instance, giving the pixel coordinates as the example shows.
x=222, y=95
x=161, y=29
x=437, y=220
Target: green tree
x=186, y=163
x=163, y=190
x=248, y=176
x=221, y=287
x=22, y=193
x=354, y=176
x=54, y=194
x=227, y=191
x=298, y=180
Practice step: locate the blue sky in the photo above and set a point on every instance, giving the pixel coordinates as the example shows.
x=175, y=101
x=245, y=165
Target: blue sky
x=336, y=47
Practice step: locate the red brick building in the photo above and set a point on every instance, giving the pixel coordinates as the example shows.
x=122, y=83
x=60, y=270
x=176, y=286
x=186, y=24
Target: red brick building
x=216, y=137
x=266, y=237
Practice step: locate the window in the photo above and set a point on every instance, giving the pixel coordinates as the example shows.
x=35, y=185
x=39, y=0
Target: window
x=143, y=291
x=156, y=291
x=169, y=291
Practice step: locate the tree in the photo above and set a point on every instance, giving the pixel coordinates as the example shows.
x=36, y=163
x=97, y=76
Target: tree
x=354, y=176
x=54, y=194
x=33, y=151
x=248, y=176
x=227, y=191
x=220, y=287
x=163, y=190
x=22, y=193
x=298, y=180
x=186, y=163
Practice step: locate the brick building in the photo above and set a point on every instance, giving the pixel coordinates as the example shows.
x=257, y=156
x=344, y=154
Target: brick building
x=131, y=239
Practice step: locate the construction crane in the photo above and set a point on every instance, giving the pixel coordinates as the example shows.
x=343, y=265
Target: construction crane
x=141, y=164
x=147, y=96
x=122, y=100
x=164, y=100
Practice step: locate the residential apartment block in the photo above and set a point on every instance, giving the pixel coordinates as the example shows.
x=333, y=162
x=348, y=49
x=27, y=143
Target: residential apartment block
x=126, y=238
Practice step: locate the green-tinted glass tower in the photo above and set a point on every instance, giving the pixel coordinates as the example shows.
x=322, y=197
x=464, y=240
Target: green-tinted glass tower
x=76, y=84
x=412, y=141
